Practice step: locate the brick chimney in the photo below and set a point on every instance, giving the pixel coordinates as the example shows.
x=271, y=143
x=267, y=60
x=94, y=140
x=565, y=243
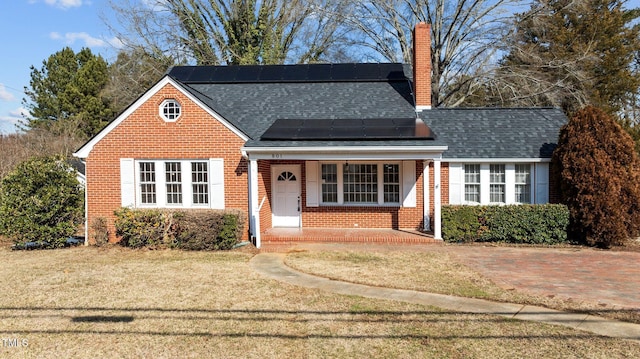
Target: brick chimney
x=422, y=66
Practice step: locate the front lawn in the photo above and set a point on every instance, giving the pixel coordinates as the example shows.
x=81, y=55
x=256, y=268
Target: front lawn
x=118, y=303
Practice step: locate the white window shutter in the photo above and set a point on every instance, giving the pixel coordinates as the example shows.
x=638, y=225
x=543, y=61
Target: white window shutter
x=542, y=183
x=127, y=182
x=456, y=185
x=409, y=183
x=216, y=175
x=311, y=172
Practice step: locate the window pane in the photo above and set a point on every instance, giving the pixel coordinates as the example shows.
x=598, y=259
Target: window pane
x=329, y=183
x=391, y=175
x=523, y=183
x=173, y=176
x=472, y=183
x=147, y=182
x=496, y=185
x=360, y=183
x=200, y=182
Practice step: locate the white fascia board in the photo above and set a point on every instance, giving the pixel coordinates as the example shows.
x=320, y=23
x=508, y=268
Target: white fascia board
x=84, y=151
x=496, y=160
x=344, y=153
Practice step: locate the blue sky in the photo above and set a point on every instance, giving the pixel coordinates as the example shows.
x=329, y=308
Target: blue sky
x=33, y=30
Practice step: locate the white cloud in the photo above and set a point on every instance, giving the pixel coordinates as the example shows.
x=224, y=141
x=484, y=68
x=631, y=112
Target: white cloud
x=65, y=4
x=8, y=123
x=5, y=95
x=70, y=38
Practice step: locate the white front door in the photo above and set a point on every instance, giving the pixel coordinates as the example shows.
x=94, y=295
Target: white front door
x=285, y=181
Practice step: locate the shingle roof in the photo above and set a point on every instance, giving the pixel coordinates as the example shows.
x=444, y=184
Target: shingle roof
x=496, y=132
x=252, y=98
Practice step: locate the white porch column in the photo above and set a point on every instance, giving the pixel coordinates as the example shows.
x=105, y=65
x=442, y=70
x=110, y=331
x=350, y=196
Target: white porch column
x=426, y=201
x=437, y=200
x=254, y=209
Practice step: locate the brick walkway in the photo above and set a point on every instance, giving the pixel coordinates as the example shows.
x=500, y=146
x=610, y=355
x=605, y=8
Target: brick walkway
x=606, y=277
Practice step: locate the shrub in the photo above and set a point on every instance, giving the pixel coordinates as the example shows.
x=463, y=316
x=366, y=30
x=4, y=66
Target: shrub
x=598, y=170
x=41, y=201
x=532, y=224
x=190, y=230
x=100, y=231
x=144, y=227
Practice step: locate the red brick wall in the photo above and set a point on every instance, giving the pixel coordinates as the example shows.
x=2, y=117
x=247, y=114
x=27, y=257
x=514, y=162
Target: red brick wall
x=145, y=135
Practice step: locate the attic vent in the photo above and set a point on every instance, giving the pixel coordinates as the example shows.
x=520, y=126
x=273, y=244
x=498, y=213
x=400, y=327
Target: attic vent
x=170, y=110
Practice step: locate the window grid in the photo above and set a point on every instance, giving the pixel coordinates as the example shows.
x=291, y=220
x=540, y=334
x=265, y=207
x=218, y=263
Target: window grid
x=173, y=177
x=329, y=183
x=171, y=110
x=472, y=183
x=148, y=182
x=360, y=183
x=496, y=183
x=391, y=183
x=523, y=183
x=200, y=182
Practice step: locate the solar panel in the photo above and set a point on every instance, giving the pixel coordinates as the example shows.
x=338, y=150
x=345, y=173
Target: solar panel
x=272, y=73
x=319, y=72
x=248, y=73
x=289, y=73
x=348, y=129
x=225, y=74
x=343, y=72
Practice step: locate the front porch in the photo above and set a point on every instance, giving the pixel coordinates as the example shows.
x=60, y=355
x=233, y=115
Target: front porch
x=275, y=236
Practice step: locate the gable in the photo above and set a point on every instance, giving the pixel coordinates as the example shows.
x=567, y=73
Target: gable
x=153, y=99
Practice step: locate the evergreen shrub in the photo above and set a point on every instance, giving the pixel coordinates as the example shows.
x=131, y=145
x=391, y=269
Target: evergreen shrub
x=530, y=224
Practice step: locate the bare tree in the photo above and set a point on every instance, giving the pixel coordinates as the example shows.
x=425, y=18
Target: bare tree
x=465, y=36
x=211, y=32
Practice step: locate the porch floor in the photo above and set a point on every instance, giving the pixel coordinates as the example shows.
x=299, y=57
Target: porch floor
x=274, y=236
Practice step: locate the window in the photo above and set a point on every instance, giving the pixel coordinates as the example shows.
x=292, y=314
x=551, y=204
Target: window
x=148, y=182
x=472, y=183
x=200, y=182
x=330, y=183
x=367, y=183
x=523, y=183
x=173, y=182
x=360, y=183
x=391, y=178
x=496, y=183
x=170, y=110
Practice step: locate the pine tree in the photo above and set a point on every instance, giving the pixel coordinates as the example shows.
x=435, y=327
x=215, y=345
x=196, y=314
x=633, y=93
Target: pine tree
x=66, y=92
x=571, y=53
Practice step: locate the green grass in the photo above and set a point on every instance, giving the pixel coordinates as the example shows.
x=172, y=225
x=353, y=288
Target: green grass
x=119, y=303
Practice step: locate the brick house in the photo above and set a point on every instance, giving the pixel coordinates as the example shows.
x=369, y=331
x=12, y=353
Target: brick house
x=316, y=146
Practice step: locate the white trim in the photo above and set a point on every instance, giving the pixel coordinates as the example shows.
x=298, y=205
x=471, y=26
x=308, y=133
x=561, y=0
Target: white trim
x=437, y=201
x=420, y=108
x=84, y=151
x=426, y=201
x=254, y=208
x=380, y=179
x=336, y=153
x=497, y=160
